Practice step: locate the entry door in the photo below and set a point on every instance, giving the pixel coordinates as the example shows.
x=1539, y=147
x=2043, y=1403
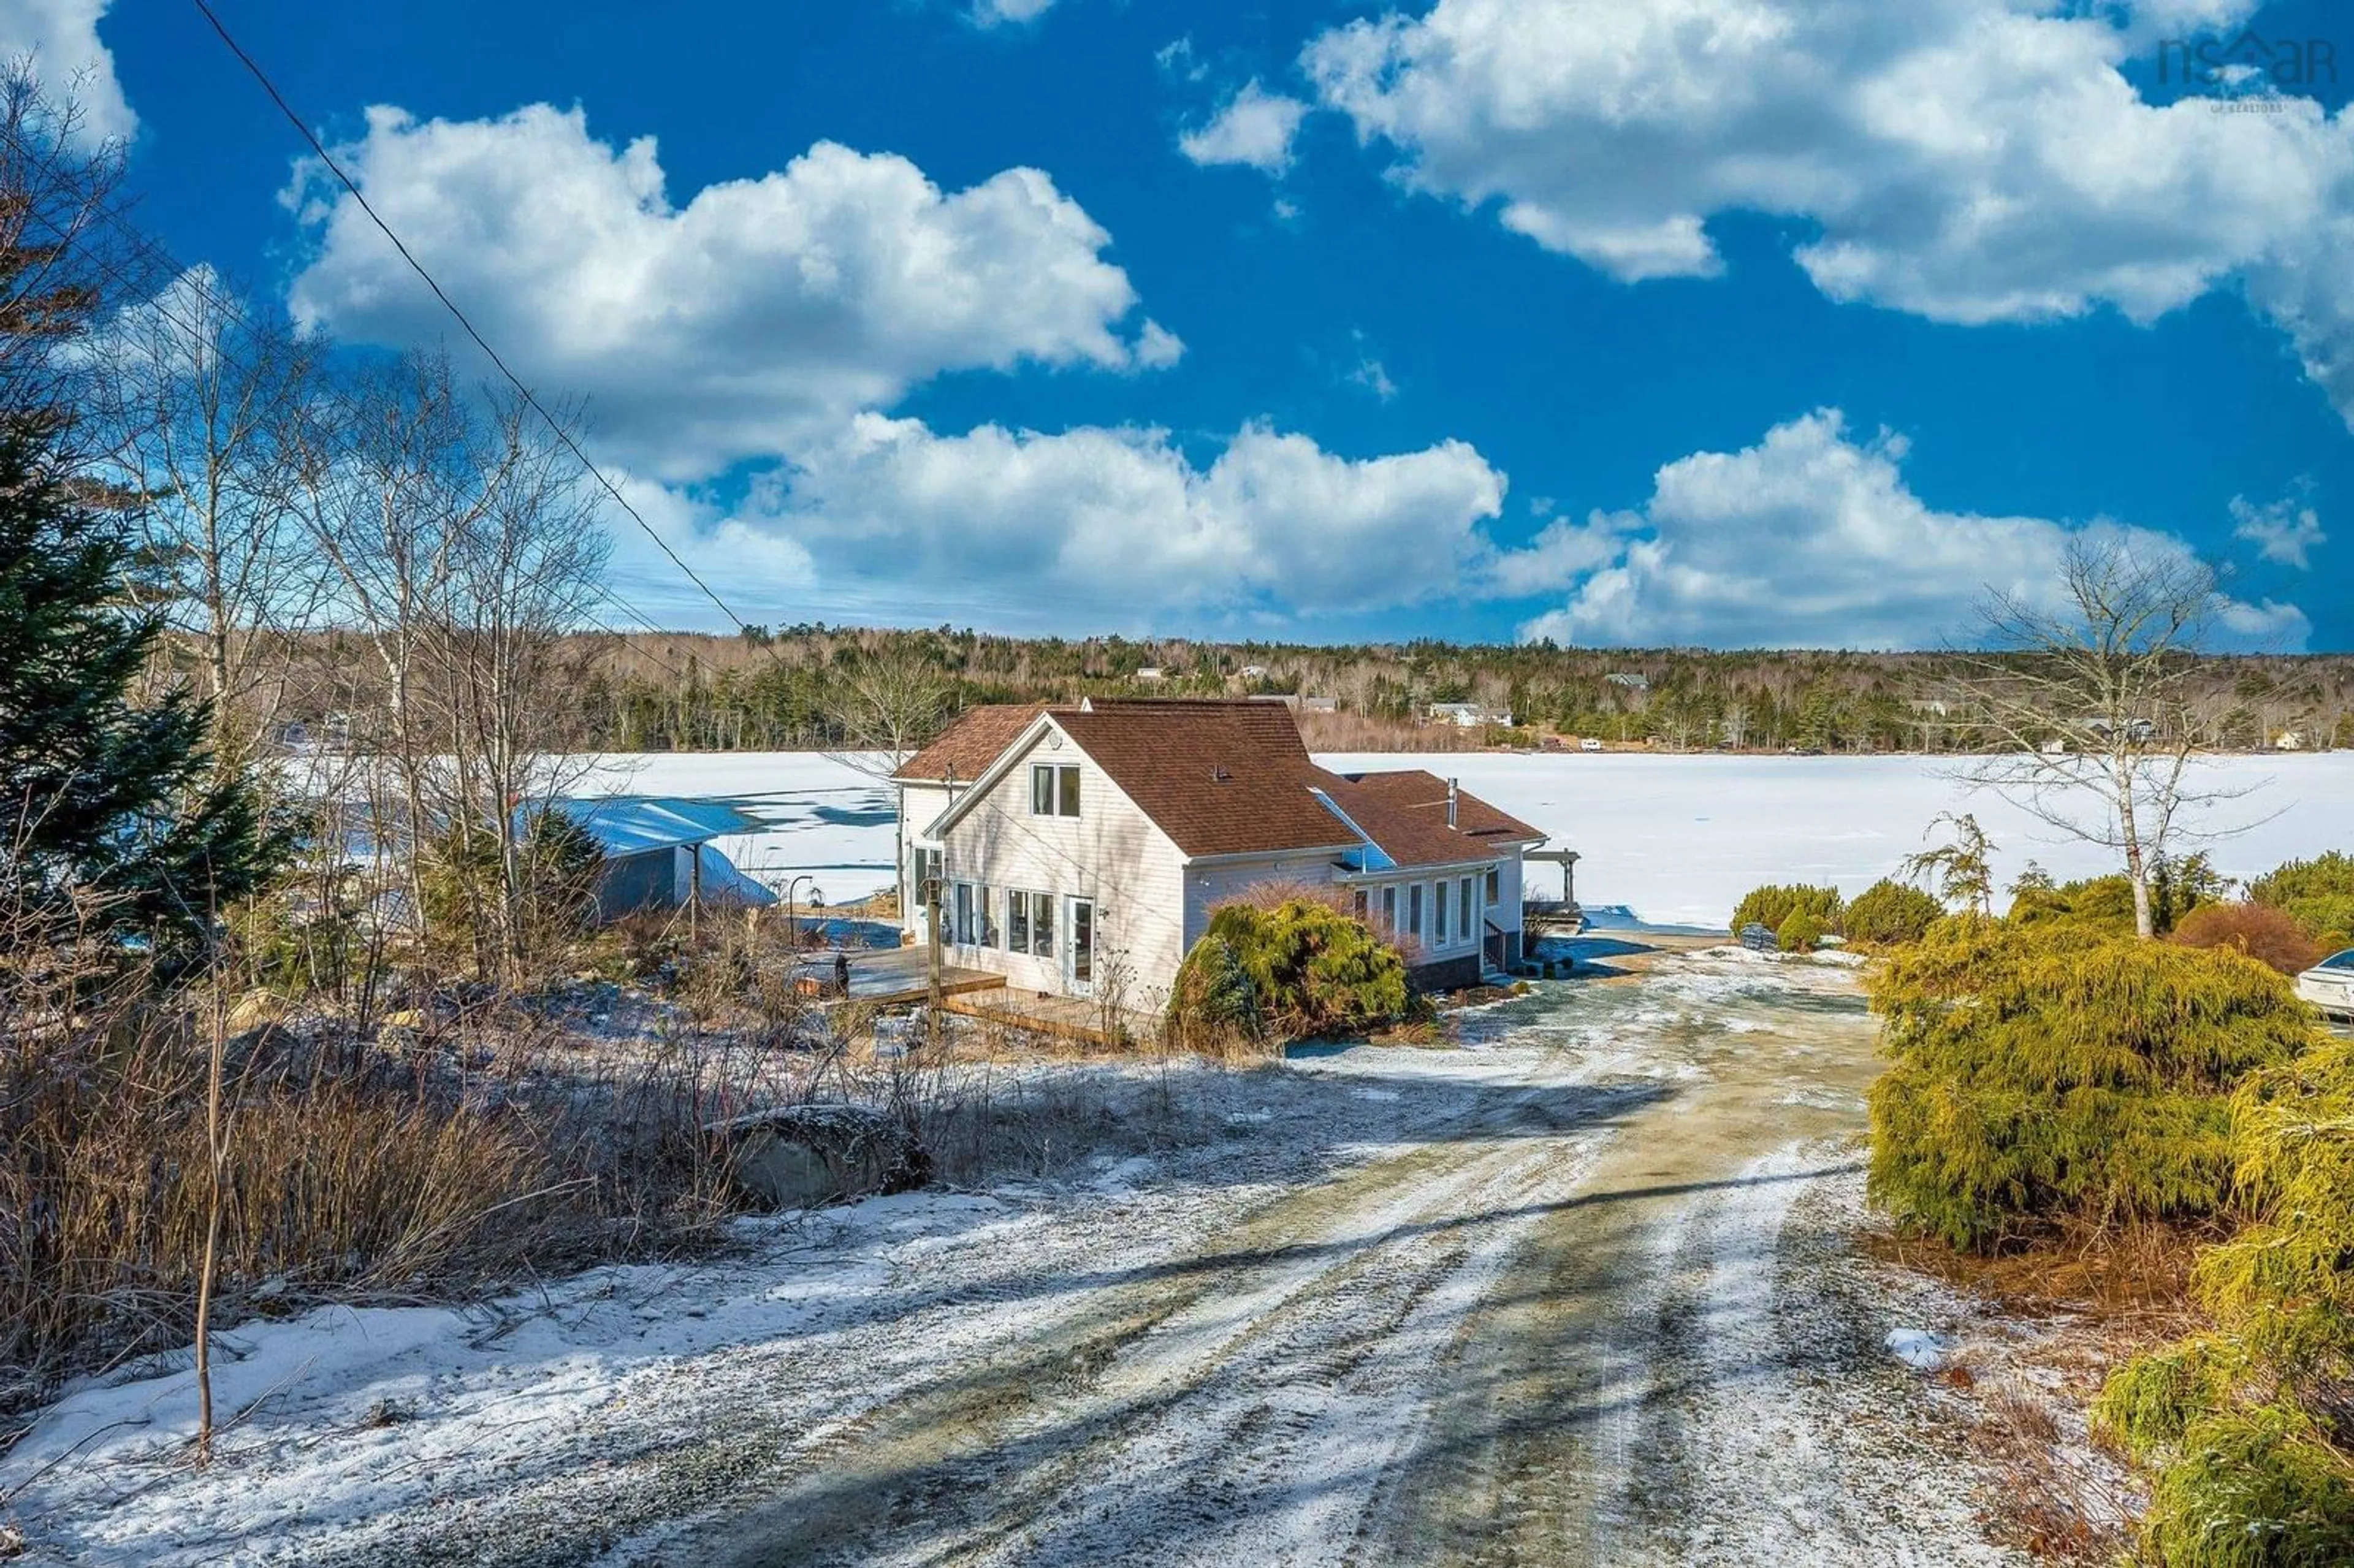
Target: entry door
x=1079, y=946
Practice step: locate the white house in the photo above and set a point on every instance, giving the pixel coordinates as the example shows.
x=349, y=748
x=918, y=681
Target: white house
x=1469, y=715
x=1069, y=845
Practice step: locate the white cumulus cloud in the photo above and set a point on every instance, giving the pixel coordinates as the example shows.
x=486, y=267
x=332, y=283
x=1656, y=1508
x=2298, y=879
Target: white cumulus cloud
x=1967, y=159
x=1812, y=538
x=998, y=12
x=59, y=37
x=761, y=313
x=1254, y=128
x=1120, y=524
x=2285, y=531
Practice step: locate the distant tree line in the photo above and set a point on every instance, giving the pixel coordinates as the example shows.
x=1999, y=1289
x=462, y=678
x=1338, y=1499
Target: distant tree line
x=784, y=688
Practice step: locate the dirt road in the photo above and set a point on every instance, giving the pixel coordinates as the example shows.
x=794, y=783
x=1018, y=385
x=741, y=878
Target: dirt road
x=1581, y=1293
x=1601, y=1313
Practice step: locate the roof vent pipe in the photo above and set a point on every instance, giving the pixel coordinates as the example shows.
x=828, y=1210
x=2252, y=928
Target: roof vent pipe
x=1450, y=802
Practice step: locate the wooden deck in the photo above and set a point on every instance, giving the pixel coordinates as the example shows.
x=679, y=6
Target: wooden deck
x=1061, y=1017
x=892, y=977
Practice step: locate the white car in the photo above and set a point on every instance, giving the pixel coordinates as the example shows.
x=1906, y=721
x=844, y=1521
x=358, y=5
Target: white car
x=2329, y=984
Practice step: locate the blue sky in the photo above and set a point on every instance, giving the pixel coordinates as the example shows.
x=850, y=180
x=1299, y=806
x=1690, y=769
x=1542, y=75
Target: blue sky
x=1648, y=322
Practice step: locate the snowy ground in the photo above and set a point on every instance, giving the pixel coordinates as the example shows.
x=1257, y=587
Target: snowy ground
x=1676, y=838
x=1580, y=1292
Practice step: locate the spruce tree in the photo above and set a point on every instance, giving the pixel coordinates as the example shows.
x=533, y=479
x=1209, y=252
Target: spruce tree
x=111, y=817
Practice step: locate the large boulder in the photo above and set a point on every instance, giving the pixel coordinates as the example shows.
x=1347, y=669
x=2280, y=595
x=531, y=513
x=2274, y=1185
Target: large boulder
x=800, y=1157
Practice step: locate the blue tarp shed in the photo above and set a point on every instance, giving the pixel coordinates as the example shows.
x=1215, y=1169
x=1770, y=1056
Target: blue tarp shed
x=658, y=851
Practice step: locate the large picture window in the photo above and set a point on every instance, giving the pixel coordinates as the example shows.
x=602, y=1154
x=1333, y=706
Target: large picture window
x=1053, y=791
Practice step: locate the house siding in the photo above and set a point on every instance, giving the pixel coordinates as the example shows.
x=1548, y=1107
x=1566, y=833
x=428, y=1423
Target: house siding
x=1111, y=853
x=921, y=806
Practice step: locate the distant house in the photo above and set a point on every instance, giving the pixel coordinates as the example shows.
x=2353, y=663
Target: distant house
x=2290, y=740
x=1149, y=673
x=1468, y=716
x=659, y=854
x=1254, y=671
x=1067, y=845
x=1630, y=680
x=1319, y=705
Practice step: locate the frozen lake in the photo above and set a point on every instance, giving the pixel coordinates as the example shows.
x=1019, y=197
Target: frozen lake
x=1676, y=838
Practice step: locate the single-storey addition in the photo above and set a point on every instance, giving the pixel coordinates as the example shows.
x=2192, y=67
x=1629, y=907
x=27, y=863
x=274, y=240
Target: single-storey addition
x=1080, y=847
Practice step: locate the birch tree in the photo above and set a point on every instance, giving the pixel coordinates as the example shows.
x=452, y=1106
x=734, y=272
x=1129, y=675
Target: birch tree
x=204, y=402
x=2096, y=706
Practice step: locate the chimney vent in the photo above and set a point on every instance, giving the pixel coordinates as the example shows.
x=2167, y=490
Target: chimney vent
x=1450, y=802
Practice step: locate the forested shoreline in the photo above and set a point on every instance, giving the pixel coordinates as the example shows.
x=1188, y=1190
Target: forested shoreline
x=782, y=690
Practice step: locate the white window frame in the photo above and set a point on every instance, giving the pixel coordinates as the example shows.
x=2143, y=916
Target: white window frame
x=1438, y=912
x=1056, y=785
x=1471, y=931
x=1414, y=892
x=1042, y=930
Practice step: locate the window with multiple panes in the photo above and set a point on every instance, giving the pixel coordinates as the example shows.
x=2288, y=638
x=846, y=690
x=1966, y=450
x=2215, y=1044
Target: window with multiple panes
x=970, y=915
x=1053, y=791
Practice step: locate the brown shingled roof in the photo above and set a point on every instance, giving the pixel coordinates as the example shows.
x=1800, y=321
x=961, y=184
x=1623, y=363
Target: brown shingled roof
x=1219, y=778
x=1224, y=776
x=973, y=739
x=1412, y=801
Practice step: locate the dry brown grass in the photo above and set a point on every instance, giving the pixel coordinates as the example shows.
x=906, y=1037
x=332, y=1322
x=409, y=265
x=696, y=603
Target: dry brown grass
x=2126, y=1273
x=2097, y=1298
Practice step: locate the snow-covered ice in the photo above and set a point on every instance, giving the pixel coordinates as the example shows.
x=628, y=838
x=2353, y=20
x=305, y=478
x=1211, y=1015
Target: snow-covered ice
x=1676, y=838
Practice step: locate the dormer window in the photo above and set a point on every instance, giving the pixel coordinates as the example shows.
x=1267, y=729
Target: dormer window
x=1053, y=791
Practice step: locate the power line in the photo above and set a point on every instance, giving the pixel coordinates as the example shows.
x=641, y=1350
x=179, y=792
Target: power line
x=530, y=399
x=150, y=295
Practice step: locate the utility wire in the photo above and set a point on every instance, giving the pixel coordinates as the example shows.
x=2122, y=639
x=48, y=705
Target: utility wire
x=150, y=295
x=562, y=434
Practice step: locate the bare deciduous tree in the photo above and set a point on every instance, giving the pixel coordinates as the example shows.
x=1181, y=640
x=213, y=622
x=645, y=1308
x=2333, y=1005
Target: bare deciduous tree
x=2097, y=710
x=463, y=547
x=886, y=705
x=205, y=405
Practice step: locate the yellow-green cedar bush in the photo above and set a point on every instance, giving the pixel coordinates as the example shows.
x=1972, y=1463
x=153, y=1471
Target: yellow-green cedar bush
x=2045, y=1072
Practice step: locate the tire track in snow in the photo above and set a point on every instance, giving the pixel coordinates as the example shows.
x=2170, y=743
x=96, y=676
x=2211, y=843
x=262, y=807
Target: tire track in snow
x=1306, y=1356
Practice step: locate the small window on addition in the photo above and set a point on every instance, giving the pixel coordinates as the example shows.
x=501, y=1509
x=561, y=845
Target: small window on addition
x=1042, y=790
x=1067, y=792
